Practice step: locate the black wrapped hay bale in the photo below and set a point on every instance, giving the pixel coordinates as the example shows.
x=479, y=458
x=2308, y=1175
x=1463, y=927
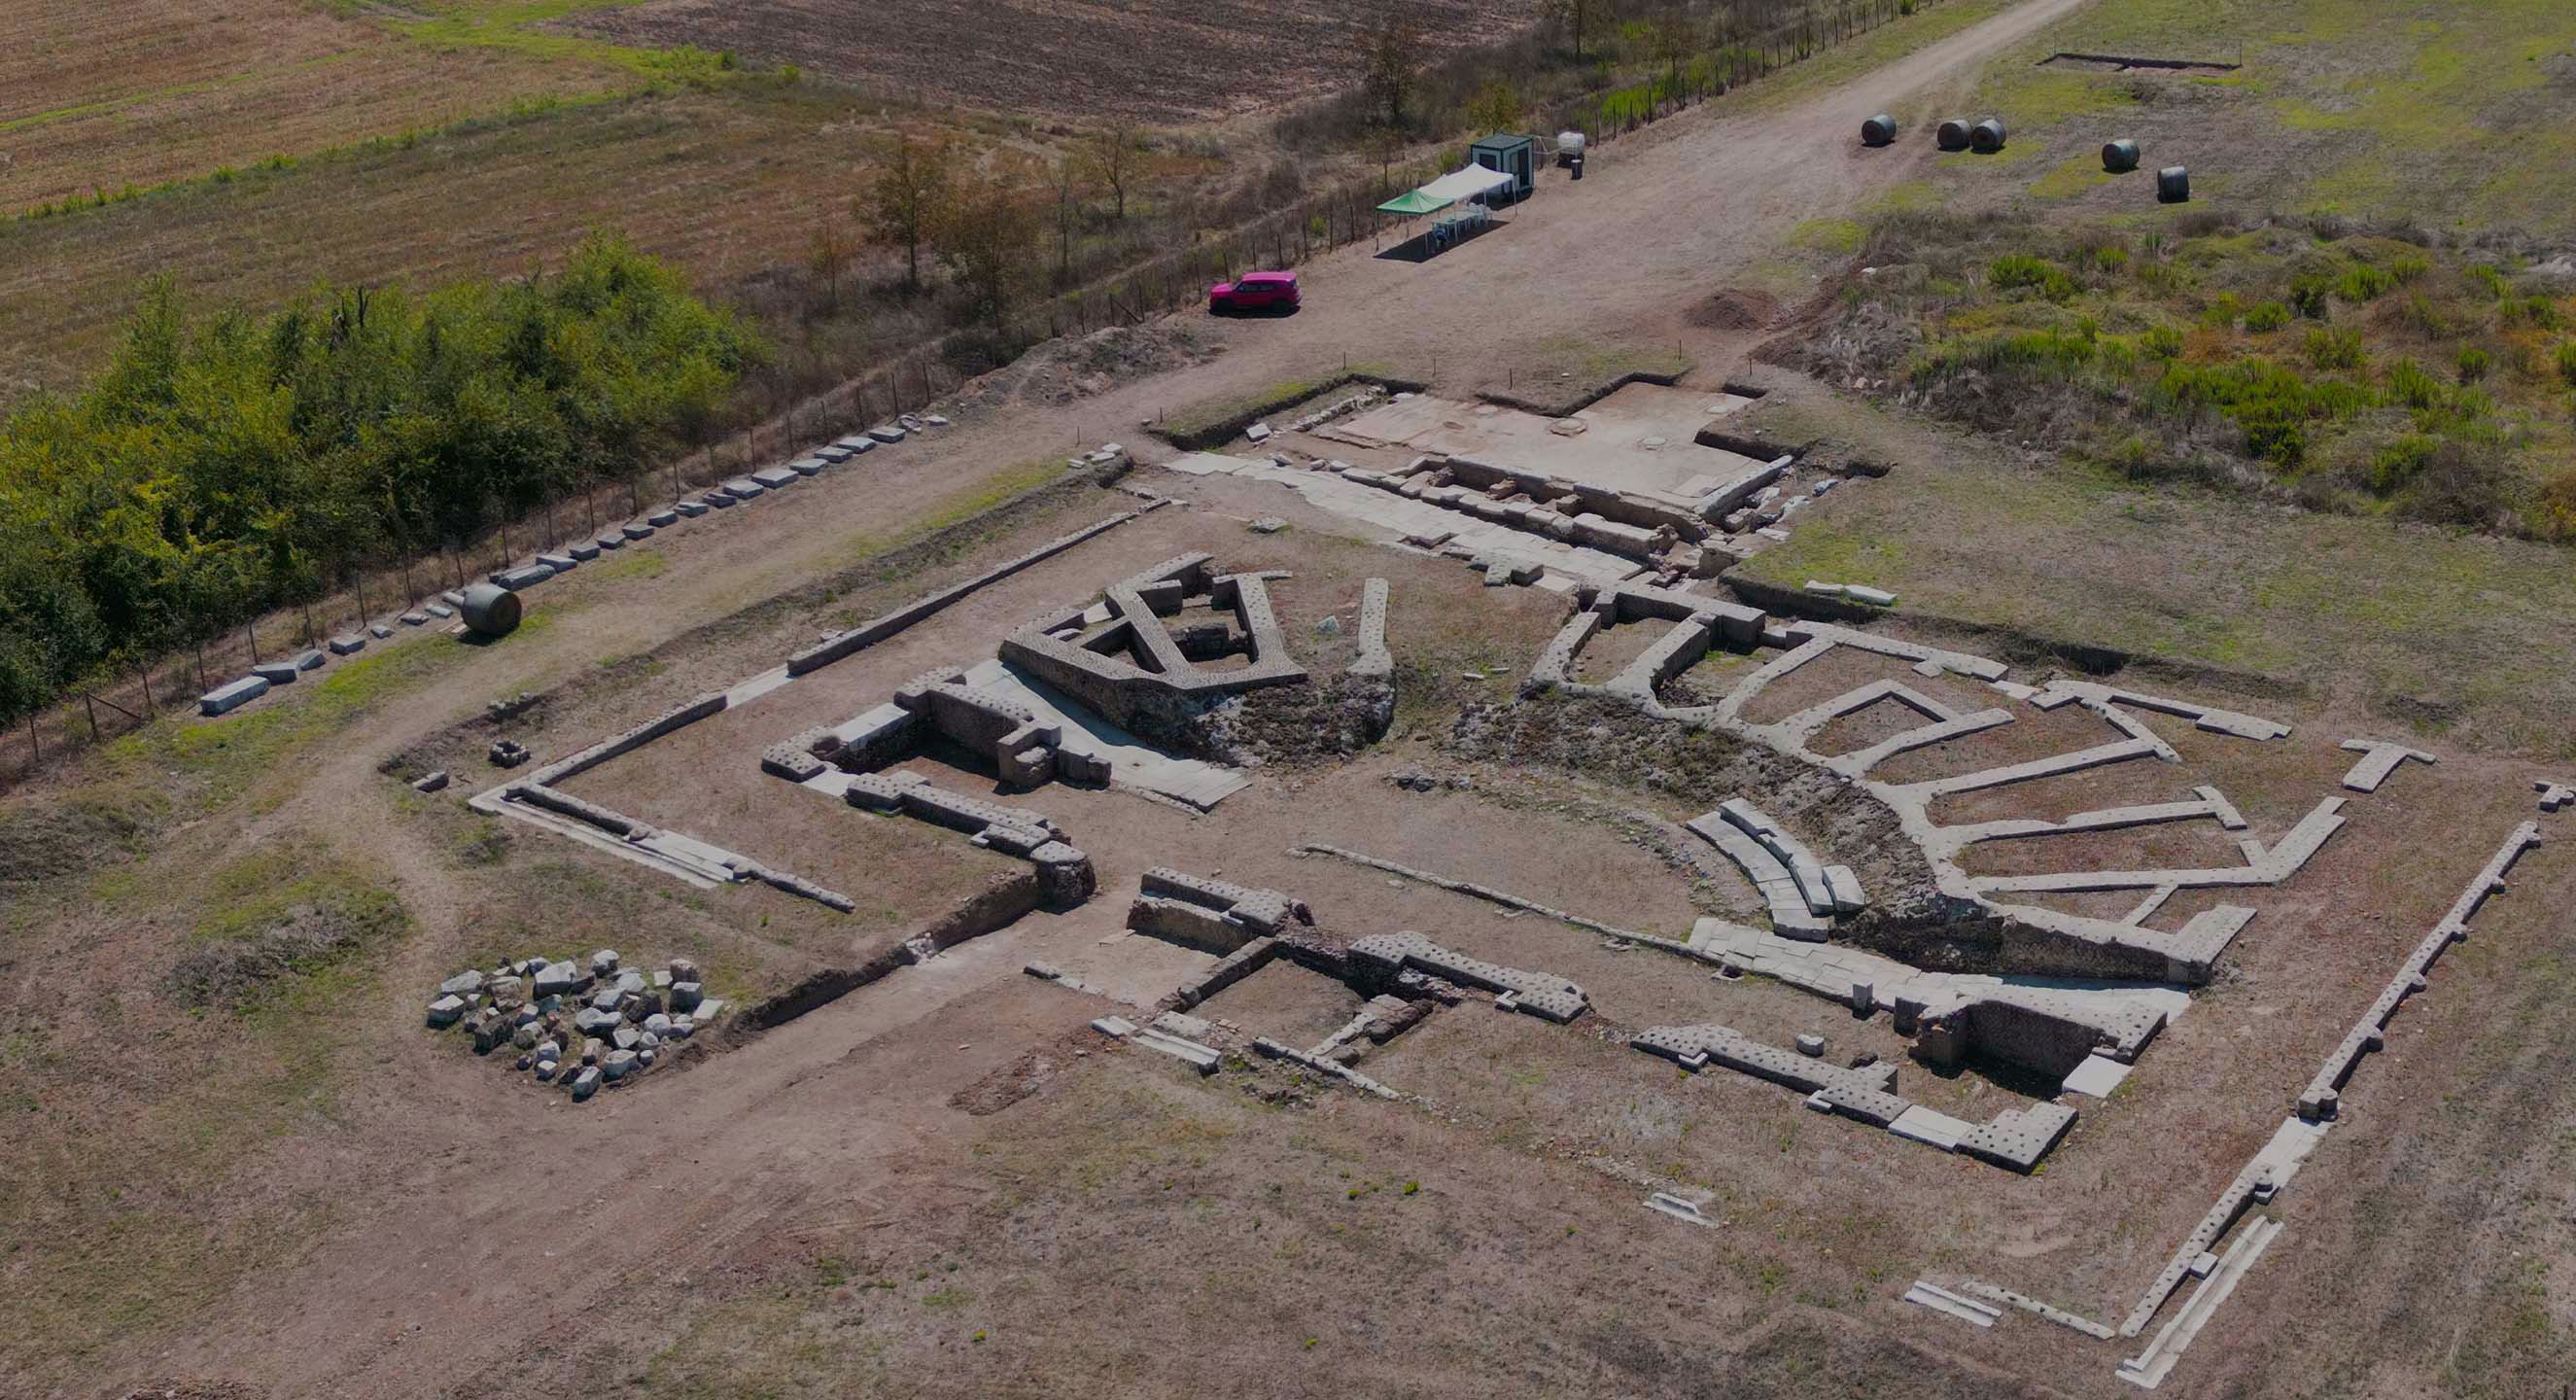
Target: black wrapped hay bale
x=1952, y=135
x=1879, y=130
x=2173, y=185
x=1987, y=137
x=2120, y=157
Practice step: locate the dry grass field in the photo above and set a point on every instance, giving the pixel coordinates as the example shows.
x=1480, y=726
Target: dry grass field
x=128, y=92
x=726, y=183
x=1165, y=62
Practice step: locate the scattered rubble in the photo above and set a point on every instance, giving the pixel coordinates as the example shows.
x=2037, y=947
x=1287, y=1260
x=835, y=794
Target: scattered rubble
x=611, y=1022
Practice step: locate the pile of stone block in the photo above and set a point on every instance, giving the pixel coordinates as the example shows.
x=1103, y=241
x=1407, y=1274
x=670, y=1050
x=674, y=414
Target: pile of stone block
x=578, y=1025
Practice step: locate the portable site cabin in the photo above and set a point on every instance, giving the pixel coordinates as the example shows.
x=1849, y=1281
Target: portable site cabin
x=1516, y=156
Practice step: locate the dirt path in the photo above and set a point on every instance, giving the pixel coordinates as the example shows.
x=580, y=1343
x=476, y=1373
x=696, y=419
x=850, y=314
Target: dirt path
x=508, y=1226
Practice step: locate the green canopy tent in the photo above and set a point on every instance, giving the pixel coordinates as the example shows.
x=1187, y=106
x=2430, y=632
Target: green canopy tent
x=1415, y=202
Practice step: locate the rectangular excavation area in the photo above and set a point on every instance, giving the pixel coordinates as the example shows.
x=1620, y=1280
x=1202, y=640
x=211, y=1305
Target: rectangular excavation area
x=1641, y=437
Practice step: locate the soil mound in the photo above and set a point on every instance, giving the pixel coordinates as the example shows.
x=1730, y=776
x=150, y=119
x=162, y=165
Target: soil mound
x=1736, y=309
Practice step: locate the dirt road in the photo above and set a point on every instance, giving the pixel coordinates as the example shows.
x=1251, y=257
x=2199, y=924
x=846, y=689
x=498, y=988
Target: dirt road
x=487, y=1254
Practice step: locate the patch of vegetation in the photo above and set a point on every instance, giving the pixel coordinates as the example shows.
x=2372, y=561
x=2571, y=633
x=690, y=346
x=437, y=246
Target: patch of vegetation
x=286, y=911
x=226, y=465
x=2170, y=356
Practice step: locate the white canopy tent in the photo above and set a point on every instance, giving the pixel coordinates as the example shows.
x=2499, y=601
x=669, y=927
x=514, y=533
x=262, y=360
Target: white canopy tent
x=1468, y=183
x=1473, y=182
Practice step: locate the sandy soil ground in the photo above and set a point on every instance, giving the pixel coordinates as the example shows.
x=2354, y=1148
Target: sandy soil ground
x=939, y=1185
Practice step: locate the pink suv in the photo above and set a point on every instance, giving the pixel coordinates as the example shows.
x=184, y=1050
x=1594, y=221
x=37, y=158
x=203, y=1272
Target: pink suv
x=1255, y=291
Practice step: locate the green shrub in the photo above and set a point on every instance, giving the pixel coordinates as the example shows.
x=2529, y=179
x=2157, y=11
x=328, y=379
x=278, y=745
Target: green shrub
x=2567, y=360
x=2361, y=283
x=2473, y=364
x=2410, y=385
x=2270, y=402
x=2406, y=267
x=2400, y=462
x=2309, y=294
x=2333, y=349
x=2481, y=275
x=2162, y=343
x=2014, y=271
x=2111, y=258
x=2266, y=318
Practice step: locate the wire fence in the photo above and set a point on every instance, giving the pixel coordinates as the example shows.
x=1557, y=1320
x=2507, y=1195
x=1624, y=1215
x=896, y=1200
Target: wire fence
x=910, y=382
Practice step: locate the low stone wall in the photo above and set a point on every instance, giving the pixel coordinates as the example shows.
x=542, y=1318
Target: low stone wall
x=877, y=629
x=1003, y=903
x=677, y=717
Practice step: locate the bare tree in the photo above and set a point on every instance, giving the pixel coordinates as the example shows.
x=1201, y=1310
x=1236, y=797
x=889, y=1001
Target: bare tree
x=1115, y=156
x=828, y=255
x=1068, y=181
x=985, y=233
x=907, y=199
x=1675, y=37
x=1394, y=64
x=1577, y=16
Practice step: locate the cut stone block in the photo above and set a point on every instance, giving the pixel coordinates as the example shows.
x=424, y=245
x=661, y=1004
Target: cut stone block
x=636, y=530
x=561, y=563
x=232, y=695
x=743, y=488
x=612, y=541
x=446, y=1011
x=583, y=553
x=2096, y=1077
x=308, y=660
x=275, y=672
x=691, y=509
x=525, y=576
x=808, y=466
x=886, y=432
x=440, y=609
x=415, y=619
x=347, y=645
x=719, y=499
x=665, y=516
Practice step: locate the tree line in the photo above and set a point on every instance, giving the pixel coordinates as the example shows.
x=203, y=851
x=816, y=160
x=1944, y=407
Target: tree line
x=229, y=463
